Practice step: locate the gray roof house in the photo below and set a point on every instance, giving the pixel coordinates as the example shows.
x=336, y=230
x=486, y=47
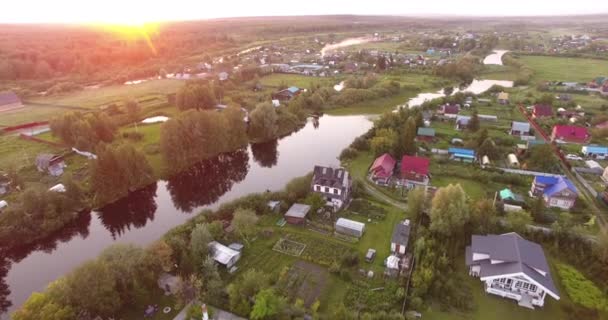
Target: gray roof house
x=520, y=128
x=53, y=164
x=400, y=238
x=511, y=267
x=297, y=213
x=334, y=184
x=9, y=101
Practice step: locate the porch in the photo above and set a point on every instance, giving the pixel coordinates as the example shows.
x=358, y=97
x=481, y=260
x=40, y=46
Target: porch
x=524, y=298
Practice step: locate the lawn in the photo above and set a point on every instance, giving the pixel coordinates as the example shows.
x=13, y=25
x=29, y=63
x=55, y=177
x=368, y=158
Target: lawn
x=159, y=299
x=472, y=188
x=92, y=98
x=29, y=113
x=565, y=69
x=18, y=152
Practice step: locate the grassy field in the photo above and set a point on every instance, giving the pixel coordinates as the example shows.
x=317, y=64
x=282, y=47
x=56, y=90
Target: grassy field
x=29, y=113
x=277, y=79
x=114, y=94
x=565, y=69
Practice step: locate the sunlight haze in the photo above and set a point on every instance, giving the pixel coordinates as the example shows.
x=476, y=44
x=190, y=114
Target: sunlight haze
x=137, y=12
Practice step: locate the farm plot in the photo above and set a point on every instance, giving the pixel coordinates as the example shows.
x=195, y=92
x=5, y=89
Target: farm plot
x=289, y=247
x=305, y=281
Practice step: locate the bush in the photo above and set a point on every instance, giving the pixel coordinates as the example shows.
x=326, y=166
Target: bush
x=580, y=289
x=133, y=135
x=348, y=154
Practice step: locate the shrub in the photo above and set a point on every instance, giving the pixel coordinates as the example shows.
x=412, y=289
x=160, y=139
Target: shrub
x=580, y=289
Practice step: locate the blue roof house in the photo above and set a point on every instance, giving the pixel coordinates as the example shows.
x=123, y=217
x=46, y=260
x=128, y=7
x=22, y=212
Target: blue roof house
x=460, y=154
x=557, y=192
x=595, y=152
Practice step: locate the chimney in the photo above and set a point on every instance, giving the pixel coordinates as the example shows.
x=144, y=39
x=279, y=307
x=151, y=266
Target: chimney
x=205, y=313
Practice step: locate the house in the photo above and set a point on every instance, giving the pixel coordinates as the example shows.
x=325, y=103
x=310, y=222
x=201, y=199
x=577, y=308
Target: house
x=425, y=134
x=414, y=171
x=462, y=122
x=512, y=160
x=557, y=192
x=350, y=227
x=297, y=213
x=224, y=255
x=53, y=164
x=511, y=267
x=520, y=128
x=274, y=206
x=9, y=101
x=594, y=166
x=509, y=197
x=503, y=98
x=449, y=111
x=400, y=238
x=287, y=94
x=334, y=184
x=382, y=169
x=460, y=154
x=542, y=110
x=595, y=152
x=571, y=134
x=564, y=97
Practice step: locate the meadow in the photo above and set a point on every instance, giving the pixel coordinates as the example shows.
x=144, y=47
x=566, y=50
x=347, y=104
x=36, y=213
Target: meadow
x=565, y=69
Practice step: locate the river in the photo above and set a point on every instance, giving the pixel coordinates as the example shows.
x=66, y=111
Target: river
x=147, y=214
x=344, y=43
x=477, y=86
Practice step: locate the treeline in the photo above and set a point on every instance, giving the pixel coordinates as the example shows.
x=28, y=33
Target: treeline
x=83, y=131
x=464, y=69
x=38, y=213
x=524, y=73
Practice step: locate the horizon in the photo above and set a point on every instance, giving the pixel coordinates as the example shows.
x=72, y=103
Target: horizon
x=140, y=12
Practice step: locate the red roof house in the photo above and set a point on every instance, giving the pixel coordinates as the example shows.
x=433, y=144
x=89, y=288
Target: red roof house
x=414, y=171
x=449, y=110
x=382, y=169
x=542, y=110
x=573, y=134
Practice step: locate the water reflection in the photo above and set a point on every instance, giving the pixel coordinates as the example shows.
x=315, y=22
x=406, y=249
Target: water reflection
x=134, y=210
x=207, y=181
x=266, y=153
x=5, y=292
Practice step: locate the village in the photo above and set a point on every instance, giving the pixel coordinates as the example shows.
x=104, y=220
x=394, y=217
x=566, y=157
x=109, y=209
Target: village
x=457, y=203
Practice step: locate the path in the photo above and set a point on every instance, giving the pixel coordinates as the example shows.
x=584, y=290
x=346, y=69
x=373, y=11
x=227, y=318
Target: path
x=182, y=314
x=374, y=192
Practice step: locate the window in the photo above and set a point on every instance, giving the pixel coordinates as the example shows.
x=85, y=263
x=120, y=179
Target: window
x=317, y=188
x=326, y=189
x=532, y=288
x=335, y=191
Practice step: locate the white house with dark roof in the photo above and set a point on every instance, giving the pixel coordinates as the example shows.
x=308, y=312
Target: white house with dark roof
x=334, y=184
x=511, y=267
x=400, y=237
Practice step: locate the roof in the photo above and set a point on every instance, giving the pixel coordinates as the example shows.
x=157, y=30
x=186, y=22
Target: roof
x=401, y=233
x=463, y=120
x=560, y=185
x=543, y=110
x=221, y=253
x=331, y=177
x=508, y=194
x=8, y=97
x=595, y=149
x=427, y=132
x=467, y=153
x=545, y=179
x=517, y=255
x=451, y=109
x=298, y=210
x=520, y=126
x=564, y=131
x=419, y=165
x=293, y=89
x=384, y=165
x=503, y=96
x=350, y=224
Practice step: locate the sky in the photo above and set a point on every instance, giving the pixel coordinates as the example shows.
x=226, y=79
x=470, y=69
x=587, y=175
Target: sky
x=139, y=11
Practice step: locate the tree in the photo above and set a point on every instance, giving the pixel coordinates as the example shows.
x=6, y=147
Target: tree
x=263, y=122
x=381, y=62
x=43, y=306
x=483, y=216
x=213, y=282
x=242, y=292
x=200, y=237
x=474, y=122
x=385, y=141
x=481, y=137
x=163, y=253
x=541, y=158
x=267, y=304
x=518, y=220
x=244, y=222
x=449, y=211
x=216, y=228
x=416, y=202
x=602, y=246
x=409, y=136
x=538, y=210
x=315, y=201
x=488, y=148
x=133, y=109
x=118, y=170
x=546, y=99
x=195, y=95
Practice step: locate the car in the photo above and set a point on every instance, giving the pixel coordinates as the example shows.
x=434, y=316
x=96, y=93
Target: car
x=571, y=156
x=371, y=254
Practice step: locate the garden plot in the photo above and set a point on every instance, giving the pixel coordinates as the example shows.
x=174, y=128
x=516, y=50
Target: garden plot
x=289, y=247
x=306, y=281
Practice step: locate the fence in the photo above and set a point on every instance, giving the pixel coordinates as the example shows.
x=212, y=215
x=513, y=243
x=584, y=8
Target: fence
x=584, y=182
x=24, y=126
x=530, y=173
x=31, y=138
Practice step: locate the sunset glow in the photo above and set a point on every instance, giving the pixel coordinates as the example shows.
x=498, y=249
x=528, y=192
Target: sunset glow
x=137, y=12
